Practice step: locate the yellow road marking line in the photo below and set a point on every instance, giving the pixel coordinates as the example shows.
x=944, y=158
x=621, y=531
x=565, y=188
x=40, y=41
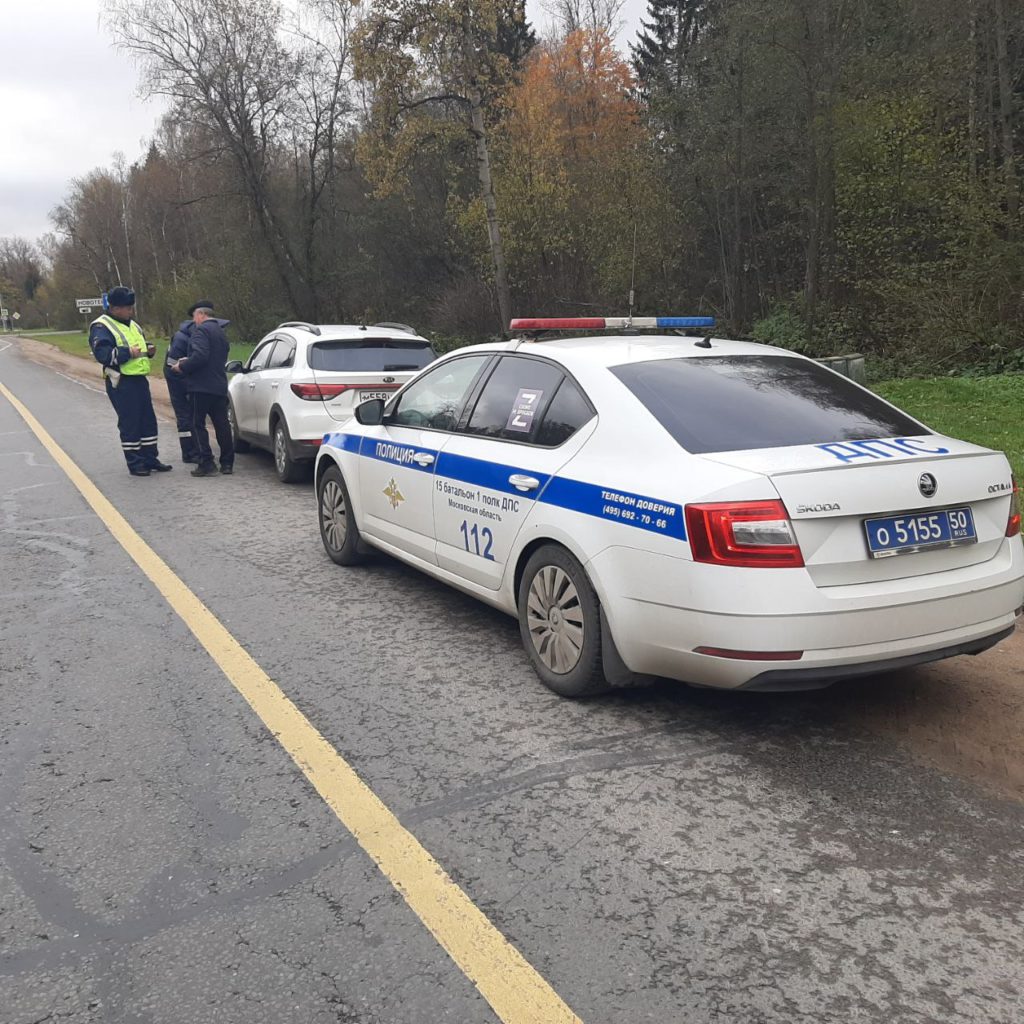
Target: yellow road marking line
x=514, y=989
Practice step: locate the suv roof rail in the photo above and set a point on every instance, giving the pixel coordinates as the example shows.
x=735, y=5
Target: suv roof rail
x=312, y=328
x=395, y=326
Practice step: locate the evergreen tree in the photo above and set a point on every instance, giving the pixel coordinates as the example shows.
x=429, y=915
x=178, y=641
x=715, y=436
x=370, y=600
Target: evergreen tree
x=516, y=37
x=665, y=37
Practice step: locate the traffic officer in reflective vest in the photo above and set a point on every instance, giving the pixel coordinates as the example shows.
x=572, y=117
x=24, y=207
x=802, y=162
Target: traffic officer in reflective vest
x=117, y=342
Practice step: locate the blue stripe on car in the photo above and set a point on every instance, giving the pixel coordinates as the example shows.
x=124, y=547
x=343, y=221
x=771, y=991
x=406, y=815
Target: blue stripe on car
x=399, y=454
x=608, y=503
x=624, y=507
x=492, y=475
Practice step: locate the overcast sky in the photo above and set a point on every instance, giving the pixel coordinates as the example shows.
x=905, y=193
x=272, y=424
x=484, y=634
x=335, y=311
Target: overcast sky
x=69, y=102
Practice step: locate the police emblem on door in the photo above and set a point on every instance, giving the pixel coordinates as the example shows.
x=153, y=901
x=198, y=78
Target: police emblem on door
x=393, y=494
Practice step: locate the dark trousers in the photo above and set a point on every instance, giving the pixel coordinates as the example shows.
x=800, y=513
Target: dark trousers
x=182, y=406
x=136, y=421
x=216, y=407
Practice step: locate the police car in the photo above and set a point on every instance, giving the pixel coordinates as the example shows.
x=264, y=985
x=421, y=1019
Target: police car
x=717, y=512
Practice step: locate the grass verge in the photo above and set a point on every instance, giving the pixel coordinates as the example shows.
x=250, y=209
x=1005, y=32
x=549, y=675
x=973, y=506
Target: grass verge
x=76, y=343
x=985, y=410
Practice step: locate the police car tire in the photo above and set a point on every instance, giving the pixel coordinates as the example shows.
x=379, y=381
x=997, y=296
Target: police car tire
x=349, y=553
x=239, y=444
x=290, y=471
x=586, y=678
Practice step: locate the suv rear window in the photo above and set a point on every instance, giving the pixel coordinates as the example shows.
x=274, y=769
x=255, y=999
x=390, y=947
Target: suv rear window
x=731, y=403
x=370, y=355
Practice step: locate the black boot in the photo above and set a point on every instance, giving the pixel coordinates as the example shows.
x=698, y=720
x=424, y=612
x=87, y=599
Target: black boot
x=205, y=469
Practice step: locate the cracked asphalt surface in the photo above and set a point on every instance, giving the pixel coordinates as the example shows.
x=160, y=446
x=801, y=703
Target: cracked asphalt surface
x=662, y=855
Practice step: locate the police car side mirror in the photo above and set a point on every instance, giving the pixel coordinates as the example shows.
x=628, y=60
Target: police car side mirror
x=235, y=366
x=371, y=413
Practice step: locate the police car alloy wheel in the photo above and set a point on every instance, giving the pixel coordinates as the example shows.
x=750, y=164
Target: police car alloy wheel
x=338, y=529
x=560, y=623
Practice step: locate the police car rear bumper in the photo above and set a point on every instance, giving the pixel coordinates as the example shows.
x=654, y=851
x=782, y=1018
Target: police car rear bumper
x=852, y=630
x=785, y=680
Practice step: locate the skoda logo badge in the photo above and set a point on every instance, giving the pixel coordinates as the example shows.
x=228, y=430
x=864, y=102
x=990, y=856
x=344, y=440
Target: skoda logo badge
x=927, y=484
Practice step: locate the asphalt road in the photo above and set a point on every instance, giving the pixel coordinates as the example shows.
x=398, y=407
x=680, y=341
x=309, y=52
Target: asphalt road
x=664, y=855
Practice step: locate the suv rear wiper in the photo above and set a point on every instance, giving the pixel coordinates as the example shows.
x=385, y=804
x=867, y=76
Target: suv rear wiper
x=400, y=366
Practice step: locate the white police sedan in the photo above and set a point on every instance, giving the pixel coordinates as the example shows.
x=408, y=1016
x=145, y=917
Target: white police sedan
x=718, y=512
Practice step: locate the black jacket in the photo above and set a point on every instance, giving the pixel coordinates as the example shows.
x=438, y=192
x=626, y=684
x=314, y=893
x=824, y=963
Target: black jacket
x=178, y=347
x=203, y=365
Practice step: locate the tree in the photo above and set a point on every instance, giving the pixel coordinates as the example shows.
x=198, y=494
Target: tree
x=578, y=172
x=224, y=64
x=432, y=65
x=22, y=265
x=585, y=15
x=665, y=38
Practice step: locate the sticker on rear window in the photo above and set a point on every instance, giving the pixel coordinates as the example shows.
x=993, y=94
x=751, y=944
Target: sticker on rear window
x=524, y=409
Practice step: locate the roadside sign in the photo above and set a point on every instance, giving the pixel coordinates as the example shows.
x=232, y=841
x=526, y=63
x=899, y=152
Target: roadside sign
x=16, y=316
x=83, y=304
x=3, y=313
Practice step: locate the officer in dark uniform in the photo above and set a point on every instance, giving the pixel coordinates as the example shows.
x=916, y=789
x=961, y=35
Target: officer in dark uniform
x=119, y=345
x=178, y=391
x=206, y=377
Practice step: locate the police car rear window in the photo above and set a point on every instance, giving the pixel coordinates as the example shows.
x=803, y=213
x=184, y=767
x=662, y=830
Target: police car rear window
x=731, y=403
x=370, y=355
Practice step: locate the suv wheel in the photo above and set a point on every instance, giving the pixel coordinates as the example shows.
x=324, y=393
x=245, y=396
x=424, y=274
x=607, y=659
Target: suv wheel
x=239, y=444
x=289, y=470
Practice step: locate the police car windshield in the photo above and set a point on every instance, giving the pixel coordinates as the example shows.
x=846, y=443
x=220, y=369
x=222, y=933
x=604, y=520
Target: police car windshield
x=732, y=403
x=370, y=355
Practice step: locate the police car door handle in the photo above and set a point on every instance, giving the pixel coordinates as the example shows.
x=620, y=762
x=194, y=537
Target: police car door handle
x=523, y=483
x=423, y=459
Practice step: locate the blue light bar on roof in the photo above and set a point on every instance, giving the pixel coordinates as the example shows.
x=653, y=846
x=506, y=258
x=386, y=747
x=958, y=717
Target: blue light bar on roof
x=685, y=321
x=590, y=323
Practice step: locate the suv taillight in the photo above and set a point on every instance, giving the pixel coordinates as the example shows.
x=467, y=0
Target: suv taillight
x=1013, y=520
x=748, y=533
x=319, y=392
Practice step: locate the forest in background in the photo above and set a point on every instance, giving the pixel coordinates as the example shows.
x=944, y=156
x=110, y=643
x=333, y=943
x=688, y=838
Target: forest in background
x=827, y=175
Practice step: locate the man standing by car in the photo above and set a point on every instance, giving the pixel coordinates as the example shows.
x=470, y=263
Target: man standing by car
x=207, y=383
x=118, y=344
x=177, y=389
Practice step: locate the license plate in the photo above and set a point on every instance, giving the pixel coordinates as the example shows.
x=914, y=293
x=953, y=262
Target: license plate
x=919, y=531
x=368, y=396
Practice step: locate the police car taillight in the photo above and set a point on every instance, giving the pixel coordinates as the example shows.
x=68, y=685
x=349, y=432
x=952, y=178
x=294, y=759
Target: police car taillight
x=1013, y=520
x=743, y=533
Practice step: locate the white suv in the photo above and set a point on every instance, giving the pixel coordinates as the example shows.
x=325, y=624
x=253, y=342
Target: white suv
x=303, y=379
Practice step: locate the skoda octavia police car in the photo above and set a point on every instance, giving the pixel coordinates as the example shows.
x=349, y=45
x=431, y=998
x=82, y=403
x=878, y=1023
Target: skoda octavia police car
x=718, y=512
